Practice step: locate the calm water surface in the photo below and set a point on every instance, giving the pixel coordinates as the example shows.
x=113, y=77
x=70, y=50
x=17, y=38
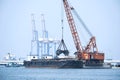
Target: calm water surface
x=21, y=73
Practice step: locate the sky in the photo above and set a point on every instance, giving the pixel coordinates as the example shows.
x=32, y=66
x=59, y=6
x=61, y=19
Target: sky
x=102, y=17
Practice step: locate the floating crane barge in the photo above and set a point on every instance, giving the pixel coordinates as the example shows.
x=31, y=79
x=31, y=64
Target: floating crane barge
x=87, y=57
x=54, y=63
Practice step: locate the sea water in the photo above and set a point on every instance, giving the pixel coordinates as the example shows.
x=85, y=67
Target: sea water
x=22, y=73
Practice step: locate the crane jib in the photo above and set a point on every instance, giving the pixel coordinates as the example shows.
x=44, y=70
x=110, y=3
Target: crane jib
x=72, y=26
x=90, y=52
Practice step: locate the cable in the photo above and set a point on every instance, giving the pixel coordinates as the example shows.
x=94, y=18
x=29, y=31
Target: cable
x=79, y=18
x=62, y=18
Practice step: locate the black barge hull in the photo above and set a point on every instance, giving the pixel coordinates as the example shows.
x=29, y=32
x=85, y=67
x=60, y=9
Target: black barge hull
x=66, y=63
x=54, y=63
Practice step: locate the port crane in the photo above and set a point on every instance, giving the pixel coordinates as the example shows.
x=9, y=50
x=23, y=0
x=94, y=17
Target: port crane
x=82, y=53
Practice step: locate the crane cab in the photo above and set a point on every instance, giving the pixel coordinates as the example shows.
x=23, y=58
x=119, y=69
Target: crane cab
x=91, y=55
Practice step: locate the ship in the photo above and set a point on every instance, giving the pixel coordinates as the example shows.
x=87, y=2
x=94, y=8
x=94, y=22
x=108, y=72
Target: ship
x=13, y=64
x=11, y=61
x=53, y=63
x=88, y=57
x=64, y=63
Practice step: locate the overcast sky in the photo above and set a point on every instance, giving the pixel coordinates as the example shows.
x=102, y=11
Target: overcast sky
x=102, y=17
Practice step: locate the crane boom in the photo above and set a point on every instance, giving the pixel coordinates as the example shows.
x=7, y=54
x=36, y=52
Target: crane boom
x=87, y=53
x=72, y=27
x=92, y=42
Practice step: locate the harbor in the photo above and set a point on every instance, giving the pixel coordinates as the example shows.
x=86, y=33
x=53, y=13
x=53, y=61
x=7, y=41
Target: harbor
x=59, y=40
x=88, y=56
x=46, y=51
x=110, y=64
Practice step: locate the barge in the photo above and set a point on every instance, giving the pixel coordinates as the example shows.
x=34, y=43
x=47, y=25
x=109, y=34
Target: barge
x=54, y=63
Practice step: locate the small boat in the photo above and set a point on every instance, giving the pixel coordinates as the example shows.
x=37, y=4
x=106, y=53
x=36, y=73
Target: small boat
x=116, y=65
x=12, y=64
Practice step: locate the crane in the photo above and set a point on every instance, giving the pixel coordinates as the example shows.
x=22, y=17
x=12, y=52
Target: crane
x=82, y=54
x=34, y=41
x=73, y=29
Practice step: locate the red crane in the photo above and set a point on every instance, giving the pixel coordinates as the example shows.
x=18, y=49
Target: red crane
x=73, y=29
x=82, y=54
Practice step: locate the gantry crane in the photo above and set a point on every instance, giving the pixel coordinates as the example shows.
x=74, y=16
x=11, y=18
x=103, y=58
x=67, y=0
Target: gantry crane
x=82, y=53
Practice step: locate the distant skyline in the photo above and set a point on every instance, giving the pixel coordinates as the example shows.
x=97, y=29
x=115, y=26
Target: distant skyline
x=102, y=17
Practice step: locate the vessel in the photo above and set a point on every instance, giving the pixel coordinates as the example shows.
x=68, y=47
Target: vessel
x=12, y=64
x=116, y=65
x=85, y=57
x=54, y=63
x=66, y=63
x=10, y=61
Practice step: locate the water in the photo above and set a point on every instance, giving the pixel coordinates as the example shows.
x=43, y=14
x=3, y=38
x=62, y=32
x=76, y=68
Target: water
x=21, y=73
